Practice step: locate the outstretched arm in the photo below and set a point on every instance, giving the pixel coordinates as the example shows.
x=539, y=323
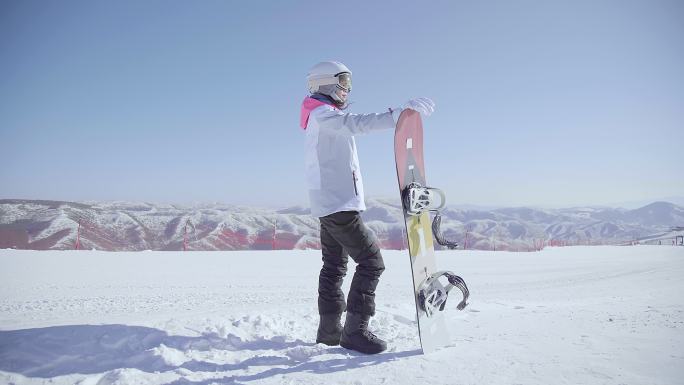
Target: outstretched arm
x=354, y=124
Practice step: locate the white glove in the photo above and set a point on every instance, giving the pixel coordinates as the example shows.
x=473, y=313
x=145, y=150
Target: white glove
x=423, y=105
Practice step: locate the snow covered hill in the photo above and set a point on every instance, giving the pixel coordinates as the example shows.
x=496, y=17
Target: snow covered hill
x=570, y=315
x=122, y=226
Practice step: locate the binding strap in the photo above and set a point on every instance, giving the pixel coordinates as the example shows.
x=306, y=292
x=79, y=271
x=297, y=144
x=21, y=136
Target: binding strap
x=436, y=231
x=458, y=282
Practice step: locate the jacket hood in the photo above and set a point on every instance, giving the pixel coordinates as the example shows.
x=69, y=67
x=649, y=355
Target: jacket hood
x=309, y=104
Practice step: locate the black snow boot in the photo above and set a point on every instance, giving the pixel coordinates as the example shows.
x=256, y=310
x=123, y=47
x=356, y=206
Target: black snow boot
x=356, y=336
x=329, y=330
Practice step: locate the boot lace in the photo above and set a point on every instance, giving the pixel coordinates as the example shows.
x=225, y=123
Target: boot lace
x=368, y=334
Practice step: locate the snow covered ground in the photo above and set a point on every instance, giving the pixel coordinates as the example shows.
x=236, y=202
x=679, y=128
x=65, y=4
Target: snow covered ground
x=574, y=315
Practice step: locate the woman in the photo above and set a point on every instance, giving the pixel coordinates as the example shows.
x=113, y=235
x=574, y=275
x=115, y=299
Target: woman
x=337, y=198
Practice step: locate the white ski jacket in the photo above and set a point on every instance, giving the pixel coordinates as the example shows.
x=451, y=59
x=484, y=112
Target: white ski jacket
x=332, y=165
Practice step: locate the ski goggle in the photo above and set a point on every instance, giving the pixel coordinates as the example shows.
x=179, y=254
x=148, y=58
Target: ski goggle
x=344, y=81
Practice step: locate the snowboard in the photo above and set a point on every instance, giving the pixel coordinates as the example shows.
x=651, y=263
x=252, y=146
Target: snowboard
x=408, y=152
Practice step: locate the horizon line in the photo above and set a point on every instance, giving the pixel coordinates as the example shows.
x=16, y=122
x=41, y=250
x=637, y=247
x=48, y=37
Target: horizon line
x=635, y=203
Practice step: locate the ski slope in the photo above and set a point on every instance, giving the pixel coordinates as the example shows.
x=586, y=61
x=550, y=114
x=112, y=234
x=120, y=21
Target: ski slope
x=574, y=315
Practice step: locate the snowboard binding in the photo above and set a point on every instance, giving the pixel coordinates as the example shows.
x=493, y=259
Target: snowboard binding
x=433, y=294
x=417, y=199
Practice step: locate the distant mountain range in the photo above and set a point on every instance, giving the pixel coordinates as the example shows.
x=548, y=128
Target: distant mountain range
x=119, y=226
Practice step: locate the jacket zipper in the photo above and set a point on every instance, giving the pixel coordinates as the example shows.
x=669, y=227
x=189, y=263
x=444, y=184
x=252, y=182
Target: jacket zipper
x=356, y=191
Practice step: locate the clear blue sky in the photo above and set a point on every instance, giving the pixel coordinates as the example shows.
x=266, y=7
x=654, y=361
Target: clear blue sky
x=538, y=102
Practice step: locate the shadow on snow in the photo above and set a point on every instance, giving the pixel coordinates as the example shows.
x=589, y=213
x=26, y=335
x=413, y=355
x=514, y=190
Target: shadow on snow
x=90, y=349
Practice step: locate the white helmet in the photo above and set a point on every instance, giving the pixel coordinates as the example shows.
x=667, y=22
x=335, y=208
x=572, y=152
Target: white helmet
x=329, y=73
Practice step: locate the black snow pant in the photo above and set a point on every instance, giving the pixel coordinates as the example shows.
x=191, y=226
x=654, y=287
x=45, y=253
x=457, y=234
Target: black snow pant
x=343, y=234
